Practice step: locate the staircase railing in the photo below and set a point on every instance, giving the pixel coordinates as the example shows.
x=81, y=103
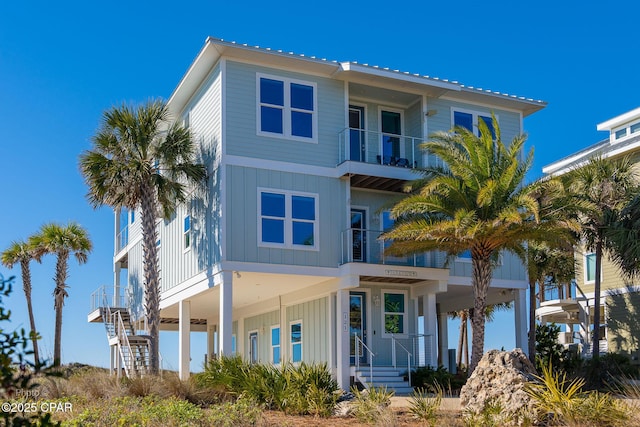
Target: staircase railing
x=123, y=342
x=358, y=344
x=394, y=345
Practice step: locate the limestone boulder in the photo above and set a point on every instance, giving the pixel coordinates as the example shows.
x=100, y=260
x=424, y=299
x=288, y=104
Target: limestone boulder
x=500, y=377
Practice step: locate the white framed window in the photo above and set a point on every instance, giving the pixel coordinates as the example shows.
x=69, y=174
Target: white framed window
x=133, y=216
x=295, y=340
x=590, y=268
x=394, y=312
x=469, y=120
x=287, y=219
x=286, y=108
x=186, y=232
x=275, y=345
x=234, y=344
x=254, y=356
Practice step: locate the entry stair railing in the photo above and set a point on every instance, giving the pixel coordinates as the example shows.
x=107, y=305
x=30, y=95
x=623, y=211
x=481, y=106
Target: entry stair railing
x=133, y=349
x=359, y=344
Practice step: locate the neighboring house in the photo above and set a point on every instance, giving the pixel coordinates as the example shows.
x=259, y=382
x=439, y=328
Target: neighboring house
x=280, y=259
x=620, y=303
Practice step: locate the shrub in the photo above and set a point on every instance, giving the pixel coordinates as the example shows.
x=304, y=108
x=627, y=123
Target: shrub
x=427, y=377
x=371, y=405
x=242, y=413
x=548, y=350
x=424, y=406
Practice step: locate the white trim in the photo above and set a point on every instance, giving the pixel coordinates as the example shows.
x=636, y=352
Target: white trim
x=405, y=313
x=249, y=354
x=287, y=109
x=617, y=121
x=291, y=323
x=493, y=106
x=288, y=220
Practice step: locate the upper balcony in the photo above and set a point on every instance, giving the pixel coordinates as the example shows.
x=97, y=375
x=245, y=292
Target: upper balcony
x=378, y=160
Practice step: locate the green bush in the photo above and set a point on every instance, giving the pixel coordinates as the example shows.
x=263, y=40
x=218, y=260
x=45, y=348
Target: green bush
x=424, y=405
x=372, y=405
x=241, y=413
x=548, y=350
x=427, y=377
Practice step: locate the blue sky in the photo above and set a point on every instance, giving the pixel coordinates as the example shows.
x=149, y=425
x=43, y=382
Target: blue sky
x=63, y=63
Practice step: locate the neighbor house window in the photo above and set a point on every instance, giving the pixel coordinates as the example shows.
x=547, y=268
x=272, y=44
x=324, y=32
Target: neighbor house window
x=186, y=232
x=275, y=344
x=234, y=344
x=470, y=120
x=287, y=219
x=286, y=108
x=621, y=133
x=395, y=314
x=296, y=341
x=590, y=267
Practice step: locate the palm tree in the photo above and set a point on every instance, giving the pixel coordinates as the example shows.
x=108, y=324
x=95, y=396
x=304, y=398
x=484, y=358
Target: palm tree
x=141, y=160
x=62, y=241
x=20, y=252
x=477, y=202
x=624, y=239
x=603, y=187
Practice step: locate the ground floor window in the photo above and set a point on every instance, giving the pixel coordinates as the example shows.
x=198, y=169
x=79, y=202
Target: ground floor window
x=395, y=314
x=275, y=344
x=296, y=341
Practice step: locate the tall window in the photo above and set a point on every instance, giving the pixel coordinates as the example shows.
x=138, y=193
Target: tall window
x=288, y=220
x=590, y=267
x=470, y=120
x=395, y=315
x=186, y=232
x=275, y=344
x=287, y=108
x=296, y=341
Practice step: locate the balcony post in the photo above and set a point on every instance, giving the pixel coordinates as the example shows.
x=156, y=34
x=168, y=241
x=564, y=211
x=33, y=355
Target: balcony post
x=520, y=313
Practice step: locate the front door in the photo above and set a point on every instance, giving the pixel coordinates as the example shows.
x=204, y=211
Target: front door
x=391, y=123
x=356, y=134
x=253, y=347
x=358, y=235
x=358, y=325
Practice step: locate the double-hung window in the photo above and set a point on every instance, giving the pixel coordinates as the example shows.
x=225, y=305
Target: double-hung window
x=470, y=120
x=287, y=108
x=296, y=341
x=395, y=312
x=287, y=219
x=275, y=344
x=186, y=232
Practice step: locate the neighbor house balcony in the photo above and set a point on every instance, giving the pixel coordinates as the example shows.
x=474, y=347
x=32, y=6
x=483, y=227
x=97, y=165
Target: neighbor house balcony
x=378, y=160
x=365, y=246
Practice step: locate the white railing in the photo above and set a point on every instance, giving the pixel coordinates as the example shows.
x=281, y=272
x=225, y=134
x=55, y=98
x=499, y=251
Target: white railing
x=360, y=245
x=100, y=297
x=394, y=346
x=358, y=343
x=122, y=239
x=367, y=146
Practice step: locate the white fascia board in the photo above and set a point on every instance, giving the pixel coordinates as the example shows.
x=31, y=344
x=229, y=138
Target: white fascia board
x=558, y=168
x=619, y=120
x=378, y=72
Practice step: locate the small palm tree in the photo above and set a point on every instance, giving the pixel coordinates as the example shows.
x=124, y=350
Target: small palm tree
x=19, y=252
x=603, y=187
x=478, y=202
x=62, y=241
x=624, y=239
x=139, y=159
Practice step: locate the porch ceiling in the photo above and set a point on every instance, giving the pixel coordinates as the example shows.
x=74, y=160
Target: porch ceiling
x=460, y=297
x=378, y=183
x=364, y=91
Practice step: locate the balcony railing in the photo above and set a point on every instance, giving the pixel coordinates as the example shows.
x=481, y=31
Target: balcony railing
x=360, y=145
x=360, y=245
x=122, y=239
x=109, y=296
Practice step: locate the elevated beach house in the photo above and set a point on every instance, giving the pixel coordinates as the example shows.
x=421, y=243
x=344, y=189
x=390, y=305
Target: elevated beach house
x=280, y=258
x=573, y=306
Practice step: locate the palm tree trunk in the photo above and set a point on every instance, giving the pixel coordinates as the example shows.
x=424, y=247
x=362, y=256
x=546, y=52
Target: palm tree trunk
x=58, y=296
x=26, y=286
x=596, y=308
x=463, y=326
x=151, y=276
x=532, y=321
x=466, y=338
x=480, y=280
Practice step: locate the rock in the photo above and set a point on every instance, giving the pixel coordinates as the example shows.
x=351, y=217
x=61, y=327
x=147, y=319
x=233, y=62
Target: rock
x=499, y=378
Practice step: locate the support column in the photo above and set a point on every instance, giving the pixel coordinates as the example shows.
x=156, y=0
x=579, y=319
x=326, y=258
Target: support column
x=443, y=341
x=210, y=340
x=430, y=327
x=342, y=339
x=116, y=284
x=225, y=328
x=521, y=315
x=184, y=338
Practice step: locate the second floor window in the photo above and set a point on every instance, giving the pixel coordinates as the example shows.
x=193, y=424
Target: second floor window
x=590, y=267
x=288, y=220
x=287, y=108
x=186, y=232
x=470, y=120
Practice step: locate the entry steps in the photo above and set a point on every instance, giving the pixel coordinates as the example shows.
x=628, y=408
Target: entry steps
x=385, y=376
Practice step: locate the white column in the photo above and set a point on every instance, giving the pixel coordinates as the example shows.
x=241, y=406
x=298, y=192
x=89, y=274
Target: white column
x=430, y=327
x=521, y=315
x=226, y=313
x=116, y=284
x=210, y=340
x=342, y=339
x=443, y=334
x=184, y=338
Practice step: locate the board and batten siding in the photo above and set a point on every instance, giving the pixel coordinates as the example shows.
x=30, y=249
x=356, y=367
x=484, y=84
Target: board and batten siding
x=509, y=267
x=241, y=121
x=135, y=279
x=315, y=329
x=241, y=213
x=622, y=319
x=262, y=324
